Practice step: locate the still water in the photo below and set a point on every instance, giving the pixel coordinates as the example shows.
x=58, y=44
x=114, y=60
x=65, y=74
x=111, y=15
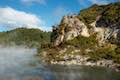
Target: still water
x=20, y=63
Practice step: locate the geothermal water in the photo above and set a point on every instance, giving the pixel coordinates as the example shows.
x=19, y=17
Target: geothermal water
x=21, y=63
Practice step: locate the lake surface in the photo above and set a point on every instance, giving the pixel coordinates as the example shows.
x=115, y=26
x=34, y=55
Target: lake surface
x=20, y=63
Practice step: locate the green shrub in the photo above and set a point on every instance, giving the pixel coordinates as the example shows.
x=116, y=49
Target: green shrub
x=105, y=53
x=83, y=42
x=117, y=50
x=89, y=15
x=110, y=13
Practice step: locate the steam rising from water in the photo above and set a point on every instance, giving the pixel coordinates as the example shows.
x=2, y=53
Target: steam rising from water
x=15, y=64
x=12, y=57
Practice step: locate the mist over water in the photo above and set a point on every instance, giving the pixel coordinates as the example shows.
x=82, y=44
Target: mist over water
x=14, y=57
x=21, y=63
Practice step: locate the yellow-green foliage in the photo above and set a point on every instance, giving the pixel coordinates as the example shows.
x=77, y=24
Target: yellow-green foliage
x=83, y=42
x=117, y=56
x=89, y=15
x=106, y=53
x=53, y=55
x=110, y=13
x=24, y=36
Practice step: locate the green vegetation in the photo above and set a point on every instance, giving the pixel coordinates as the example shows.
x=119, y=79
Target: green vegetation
x=110, y=13
x=24, y=36
x=83, y=42
x=108, y=51
x=89, y=15
x=105, y=53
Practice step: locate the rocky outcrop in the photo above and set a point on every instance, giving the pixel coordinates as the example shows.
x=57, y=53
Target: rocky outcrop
x=70, y=56
x=105, y=31
x=91, y=36
x=69, y=28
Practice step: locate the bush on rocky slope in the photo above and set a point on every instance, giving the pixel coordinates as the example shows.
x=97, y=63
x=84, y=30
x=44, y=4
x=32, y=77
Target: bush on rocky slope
x=83, y=42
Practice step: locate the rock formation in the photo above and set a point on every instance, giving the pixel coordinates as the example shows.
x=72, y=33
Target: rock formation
x=69, y=28
x=93, y=35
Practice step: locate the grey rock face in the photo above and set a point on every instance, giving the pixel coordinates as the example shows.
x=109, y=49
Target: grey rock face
x=105, y=31
x=69, y=28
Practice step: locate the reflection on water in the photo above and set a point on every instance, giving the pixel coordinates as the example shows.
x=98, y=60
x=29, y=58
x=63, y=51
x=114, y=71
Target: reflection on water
x=20, y=63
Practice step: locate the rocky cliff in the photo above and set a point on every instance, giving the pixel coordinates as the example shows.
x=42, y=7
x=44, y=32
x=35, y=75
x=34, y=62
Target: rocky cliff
x=103, y=20
x=69, y=28
x=89, y=38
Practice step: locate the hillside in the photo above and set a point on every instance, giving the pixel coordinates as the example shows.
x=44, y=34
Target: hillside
x=110, y=13
x=24, y=36
x=89, y=38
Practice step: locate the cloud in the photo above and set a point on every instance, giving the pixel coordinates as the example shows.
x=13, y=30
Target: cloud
x=30, y=2
x=11, y=18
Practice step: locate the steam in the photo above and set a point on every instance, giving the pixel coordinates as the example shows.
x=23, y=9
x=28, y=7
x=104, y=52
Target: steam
x=15, y=64
x=14, y=57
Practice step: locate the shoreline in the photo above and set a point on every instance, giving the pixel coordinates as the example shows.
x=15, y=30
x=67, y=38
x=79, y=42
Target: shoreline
x=83, y=61
x=113, y=66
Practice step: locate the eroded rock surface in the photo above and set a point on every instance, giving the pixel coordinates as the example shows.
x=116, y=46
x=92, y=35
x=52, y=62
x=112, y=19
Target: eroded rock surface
x=69, y=28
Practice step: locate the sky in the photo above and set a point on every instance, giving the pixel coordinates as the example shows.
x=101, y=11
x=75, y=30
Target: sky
x=41, y=14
